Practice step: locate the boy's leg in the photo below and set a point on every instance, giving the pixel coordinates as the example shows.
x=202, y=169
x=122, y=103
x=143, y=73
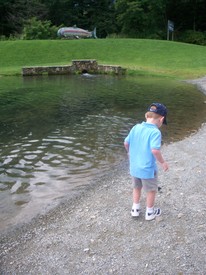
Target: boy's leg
x=150, y=199
x=136, y=195
x=151, y=188
x=136, y=202
x=137, y=188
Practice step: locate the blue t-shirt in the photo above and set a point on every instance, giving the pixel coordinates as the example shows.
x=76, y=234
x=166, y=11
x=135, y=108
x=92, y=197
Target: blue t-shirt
x=142, y=139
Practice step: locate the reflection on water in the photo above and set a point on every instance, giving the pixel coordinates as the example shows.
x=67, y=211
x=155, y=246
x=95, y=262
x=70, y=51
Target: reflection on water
x=58, y=133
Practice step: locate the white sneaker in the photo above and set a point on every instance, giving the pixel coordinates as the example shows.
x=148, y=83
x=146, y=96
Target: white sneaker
x=135, y=212
x=151, y=216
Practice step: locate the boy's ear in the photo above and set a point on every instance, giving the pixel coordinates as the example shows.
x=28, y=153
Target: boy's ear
x=162, y=119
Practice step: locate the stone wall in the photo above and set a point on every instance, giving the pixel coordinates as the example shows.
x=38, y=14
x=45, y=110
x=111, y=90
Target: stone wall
x=51, y=70
x=78, y=66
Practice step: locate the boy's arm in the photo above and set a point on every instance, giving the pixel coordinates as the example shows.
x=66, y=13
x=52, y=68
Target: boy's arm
x=157, y=154
x=126, y=146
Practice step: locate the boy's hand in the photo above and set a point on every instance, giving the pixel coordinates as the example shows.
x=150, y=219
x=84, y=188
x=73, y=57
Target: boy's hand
x=157, y=154
x=165, y=166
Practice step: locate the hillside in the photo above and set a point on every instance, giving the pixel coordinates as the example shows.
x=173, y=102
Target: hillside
x=137, y=55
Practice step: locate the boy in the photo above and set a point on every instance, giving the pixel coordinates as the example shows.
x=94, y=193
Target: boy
x=143, y=146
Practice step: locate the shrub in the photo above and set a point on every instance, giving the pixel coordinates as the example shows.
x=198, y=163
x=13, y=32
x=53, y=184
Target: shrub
x=193, y=37
x=37, y=29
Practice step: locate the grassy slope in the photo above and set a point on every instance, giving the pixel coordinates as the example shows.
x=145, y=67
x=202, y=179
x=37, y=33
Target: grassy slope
x=138, y=55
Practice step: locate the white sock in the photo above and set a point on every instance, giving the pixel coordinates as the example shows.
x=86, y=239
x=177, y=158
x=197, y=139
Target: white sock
x=150, y=210
x=136, y=206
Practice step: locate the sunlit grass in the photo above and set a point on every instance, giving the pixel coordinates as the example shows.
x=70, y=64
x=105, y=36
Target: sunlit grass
x=139, y=56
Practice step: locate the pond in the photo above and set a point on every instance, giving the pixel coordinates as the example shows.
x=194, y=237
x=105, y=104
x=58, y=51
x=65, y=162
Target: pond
x=59, y=133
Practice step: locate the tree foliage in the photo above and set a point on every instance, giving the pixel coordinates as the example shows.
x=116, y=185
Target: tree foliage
x=126, y=18
x=140, y=18
x=148, y=18
x=14, y=13
x=85, y=14
x=37, y=29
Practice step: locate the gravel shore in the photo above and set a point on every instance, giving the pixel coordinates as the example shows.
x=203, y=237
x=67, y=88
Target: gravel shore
x=95, y=234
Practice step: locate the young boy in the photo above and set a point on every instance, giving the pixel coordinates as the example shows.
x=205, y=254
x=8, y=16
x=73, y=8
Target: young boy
x=143, y=146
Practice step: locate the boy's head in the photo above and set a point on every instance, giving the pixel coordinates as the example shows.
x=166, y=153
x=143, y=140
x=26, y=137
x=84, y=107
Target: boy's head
x=156, y=110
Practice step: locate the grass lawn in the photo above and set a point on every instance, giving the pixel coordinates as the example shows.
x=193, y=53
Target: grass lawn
x=139, y=56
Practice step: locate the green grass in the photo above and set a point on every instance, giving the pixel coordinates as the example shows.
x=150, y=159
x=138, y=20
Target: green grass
x=139, y=56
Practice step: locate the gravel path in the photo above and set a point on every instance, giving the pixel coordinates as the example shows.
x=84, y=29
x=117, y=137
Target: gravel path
x=95, y=234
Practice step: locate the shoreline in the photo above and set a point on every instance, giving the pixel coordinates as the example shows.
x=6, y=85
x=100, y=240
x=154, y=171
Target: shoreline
x=200, y=83
x=95, y=234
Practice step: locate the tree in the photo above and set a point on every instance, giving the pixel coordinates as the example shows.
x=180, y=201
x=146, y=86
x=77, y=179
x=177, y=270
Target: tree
x=85, y=14
x=141, y=18
x=37, y=29
x=14, y=13
x=188, y=14
x=60, y=12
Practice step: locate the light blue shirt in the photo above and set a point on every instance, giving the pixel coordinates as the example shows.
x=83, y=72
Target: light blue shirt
x=142, y=139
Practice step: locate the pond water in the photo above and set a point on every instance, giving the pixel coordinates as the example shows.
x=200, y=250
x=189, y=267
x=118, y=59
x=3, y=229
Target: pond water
x=59, y=133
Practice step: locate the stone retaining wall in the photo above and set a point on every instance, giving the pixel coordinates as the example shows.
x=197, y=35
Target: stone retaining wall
x=78, y=66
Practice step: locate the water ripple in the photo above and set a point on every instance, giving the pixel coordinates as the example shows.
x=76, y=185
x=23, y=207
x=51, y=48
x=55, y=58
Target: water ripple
x=77, y=136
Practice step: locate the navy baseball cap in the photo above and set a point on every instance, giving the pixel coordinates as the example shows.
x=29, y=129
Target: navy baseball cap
x=159, y=109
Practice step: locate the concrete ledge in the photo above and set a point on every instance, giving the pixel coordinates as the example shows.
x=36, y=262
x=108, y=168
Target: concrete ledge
x=78, y=66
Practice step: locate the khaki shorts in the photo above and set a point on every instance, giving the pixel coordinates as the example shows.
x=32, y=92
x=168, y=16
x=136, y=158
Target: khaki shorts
x=147, y=184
